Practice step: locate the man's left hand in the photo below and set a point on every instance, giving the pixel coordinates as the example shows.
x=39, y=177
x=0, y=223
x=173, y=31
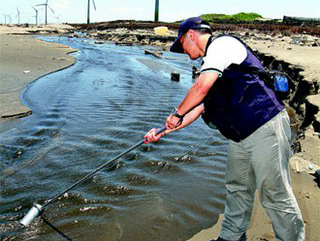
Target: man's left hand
x=173, y=122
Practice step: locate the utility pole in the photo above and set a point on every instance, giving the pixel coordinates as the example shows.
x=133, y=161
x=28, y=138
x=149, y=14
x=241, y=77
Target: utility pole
x=156, y=12
x=88, y=12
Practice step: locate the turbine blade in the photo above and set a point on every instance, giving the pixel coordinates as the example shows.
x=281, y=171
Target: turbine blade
x=51, y=9
x=94, y=5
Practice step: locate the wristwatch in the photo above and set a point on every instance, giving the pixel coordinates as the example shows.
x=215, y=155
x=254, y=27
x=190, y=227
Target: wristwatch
x=175, y=113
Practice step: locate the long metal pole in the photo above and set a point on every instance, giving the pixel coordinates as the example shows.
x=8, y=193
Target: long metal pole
x=108, y=164
x=37, y=209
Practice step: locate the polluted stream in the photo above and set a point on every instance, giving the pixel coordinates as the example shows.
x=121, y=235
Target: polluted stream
x=89, y=113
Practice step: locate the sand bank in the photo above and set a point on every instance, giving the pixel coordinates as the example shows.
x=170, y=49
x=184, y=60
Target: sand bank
x=24, y=58
x=306, y=57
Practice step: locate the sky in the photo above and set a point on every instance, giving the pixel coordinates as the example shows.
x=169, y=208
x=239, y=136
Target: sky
x=75, y=11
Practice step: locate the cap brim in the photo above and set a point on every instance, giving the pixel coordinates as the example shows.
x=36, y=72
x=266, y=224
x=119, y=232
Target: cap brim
x=177, y=46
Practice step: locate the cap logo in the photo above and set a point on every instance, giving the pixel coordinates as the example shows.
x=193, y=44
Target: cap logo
x=204, y=26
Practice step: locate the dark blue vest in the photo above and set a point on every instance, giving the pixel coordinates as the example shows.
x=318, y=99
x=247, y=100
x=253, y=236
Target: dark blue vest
x=239, y=103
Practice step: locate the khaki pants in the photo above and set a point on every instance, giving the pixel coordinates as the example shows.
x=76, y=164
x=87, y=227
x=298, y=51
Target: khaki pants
x=261, y=162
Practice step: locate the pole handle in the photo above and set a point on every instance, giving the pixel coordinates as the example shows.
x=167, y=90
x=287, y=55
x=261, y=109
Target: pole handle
x=162, y=129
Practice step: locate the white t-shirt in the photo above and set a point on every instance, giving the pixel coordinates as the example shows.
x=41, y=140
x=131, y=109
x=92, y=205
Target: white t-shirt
x=222, y=52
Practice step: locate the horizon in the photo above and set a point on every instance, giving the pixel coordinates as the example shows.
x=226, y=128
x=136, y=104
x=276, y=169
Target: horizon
x=69, y=11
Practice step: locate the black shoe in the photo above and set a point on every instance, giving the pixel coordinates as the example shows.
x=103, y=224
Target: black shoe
x=243, y=238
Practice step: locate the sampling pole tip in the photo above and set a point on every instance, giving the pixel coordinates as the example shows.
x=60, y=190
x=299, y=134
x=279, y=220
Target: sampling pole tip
x=33, y=213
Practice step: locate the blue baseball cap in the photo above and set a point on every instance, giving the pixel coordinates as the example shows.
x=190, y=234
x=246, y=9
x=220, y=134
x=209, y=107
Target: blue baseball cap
x=184, y=27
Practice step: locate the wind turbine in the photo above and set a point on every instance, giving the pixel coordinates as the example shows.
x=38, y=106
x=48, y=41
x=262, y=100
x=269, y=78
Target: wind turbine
x=156, y=11
x=18, y=15
x=9, y=18
x=46, y=5
x=36, y=15
x=5, y=18
x=88, y=14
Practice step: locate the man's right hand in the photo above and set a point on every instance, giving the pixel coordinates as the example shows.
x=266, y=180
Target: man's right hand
x=152, y=137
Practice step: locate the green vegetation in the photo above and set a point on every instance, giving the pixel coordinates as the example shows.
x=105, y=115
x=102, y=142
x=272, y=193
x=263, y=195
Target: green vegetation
x=235, y=17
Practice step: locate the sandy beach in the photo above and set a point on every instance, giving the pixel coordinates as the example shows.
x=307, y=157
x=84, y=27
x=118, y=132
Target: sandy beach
x=24, y=58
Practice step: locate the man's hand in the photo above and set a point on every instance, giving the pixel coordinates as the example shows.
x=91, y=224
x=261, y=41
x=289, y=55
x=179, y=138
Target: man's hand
x=152, y=137
x=173, y=122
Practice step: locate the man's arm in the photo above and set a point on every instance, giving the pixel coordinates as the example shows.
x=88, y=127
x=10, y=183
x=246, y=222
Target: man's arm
x=187, y=120
x=194, y=97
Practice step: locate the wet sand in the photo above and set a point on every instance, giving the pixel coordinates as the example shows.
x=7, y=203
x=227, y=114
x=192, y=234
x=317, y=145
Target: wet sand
x=24, y=59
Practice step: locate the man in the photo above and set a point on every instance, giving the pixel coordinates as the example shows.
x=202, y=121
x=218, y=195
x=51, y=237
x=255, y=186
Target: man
x=236, y=101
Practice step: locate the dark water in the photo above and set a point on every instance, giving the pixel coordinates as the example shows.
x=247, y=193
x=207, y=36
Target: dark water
x=87, y=114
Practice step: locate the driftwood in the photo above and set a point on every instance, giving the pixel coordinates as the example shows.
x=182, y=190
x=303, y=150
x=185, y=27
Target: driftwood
x=124, y=43
x=156, y=53
x=18, y=115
